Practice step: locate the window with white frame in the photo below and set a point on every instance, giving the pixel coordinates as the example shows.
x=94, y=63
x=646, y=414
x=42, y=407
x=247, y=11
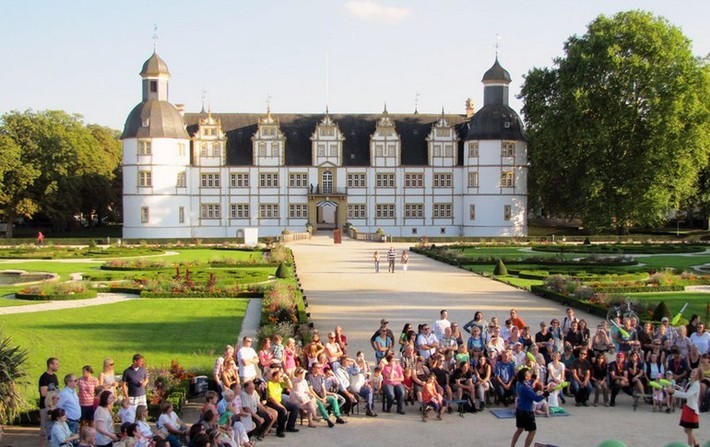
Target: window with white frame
x=209, y=180
x=384, y=180
x=269, y=211
x=216, y=150
x=333, y=150
x=357, y=211
x=145, y=178
x=507, y=212
x=413, y=180
x=413, y=211
x=204, y=149
x=210, y=211
x=298, y=180
x=269, y=180
x=380, y=150
x=145, y=214
x=321, y=149
x=298, y=210
x=356, y=180
x=442, y=211
x=261, y=148
x=507, y=179
x=327, y=131
x=181, y=214
x=268, y=131
x=181, y=149
x=472, y=212
x=391, y=149
x=208, y=131
x=239, y=180
x=275, y=149
x=507, y=149
x=442, y=180
x=239, y=211
x=473, y=149
x=473, y=179
x=448, y=150
x=384, y=211
x=144, y=147
x=181, y=181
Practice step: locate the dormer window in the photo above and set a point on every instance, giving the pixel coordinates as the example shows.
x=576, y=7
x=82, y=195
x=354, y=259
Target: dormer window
x=507, y=149
x=144, y=147
x=153, y=86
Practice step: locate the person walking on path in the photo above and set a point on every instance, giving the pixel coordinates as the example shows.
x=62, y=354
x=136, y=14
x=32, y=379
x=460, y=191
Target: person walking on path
x=135, y=379
x=376, y=258
x=391, y=257
x=404, y=260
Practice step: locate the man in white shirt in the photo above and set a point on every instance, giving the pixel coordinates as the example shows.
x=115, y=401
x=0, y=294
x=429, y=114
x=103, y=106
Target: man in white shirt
x=247, y=359
x=440, y=325
x=427, y=342
x=568, y=319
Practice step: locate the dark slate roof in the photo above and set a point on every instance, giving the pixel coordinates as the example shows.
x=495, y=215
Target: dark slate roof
x=154, y=66
x=496, y=73
x=163, y=119
x=356, y=128
x=489, y=123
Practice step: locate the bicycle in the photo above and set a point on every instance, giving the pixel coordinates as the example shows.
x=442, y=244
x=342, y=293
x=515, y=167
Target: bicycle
x=617, y=314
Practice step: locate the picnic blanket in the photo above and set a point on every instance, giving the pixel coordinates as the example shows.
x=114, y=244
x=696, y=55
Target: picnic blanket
x=509, y=413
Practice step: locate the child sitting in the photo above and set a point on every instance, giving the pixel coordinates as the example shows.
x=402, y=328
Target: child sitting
x=668, y=391
x=659, y=395
x=542, y=407
x=377, y=380
x=408, y=383
x=127, y=413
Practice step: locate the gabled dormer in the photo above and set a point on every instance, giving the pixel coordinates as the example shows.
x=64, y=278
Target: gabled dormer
x=209, y=142
x=269, y=143
x=442, y=143
x=385, y=143
x=327, y=143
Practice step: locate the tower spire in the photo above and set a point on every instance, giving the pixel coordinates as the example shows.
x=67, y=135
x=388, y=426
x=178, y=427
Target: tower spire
x=416, y=103
x=497, y=44
x=155, y=38
x=204, y=97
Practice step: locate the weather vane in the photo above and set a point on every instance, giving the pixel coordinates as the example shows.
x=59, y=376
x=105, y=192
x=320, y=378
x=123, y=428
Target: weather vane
x=155, y=38
x=204, y=98
x=497, y=45
x=268, y=102
x=416, y=103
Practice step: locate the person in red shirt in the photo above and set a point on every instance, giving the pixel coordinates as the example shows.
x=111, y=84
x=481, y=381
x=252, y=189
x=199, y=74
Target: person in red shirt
x=516, y=320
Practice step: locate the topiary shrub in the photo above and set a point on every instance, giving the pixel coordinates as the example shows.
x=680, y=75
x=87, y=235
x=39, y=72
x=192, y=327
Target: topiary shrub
x=661, y=311
x=500, y=269
x=282, y=271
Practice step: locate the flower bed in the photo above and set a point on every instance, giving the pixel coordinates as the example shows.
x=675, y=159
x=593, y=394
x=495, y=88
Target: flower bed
x=241, y=294
x=56, y=292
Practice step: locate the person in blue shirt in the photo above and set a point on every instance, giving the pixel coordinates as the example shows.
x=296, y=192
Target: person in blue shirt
x=524, y=414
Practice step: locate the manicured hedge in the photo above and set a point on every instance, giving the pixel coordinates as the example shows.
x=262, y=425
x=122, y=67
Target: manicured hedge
x=218, y=264
x=532, y=274
x=59, y=297
x=134, y=269
x=638, y=289
x=621, y=248
x=145, y=294
x=599, y=311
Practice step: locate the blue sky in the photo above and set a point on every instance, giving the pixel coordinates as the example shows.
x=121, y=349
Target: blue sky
x=84, y=56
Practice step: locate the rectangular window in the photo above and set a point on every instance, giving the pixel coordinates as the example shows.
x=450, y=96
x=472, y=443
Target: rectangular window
x=507, y=149
x=442, y=180
x=216, y=150
x=356, y=180
x=443, y=132
x=181, y=149
x=507, y=212
x=380, y=150
x=507, y=179
x=384, y=211
x=327, y=131
x=298, y=180
x=298, y=210
x=269, y=211
x=413, y=211
x=239, y=211
x=437, y=149
x=153, y=86
x=181, y=180
x=203, y=150
x=472, y=212
x=268, y=131
x=413, y=180
x=321, y=150
x=208, y=131
x=390, y=150
x=442, y=211
x=145, y=178
x=473, y=179
x=181, y=214
x=144, y=147
x=239, y=180
x=275, y=149
x=145, y=214
x=448, y=150
x=210, y=180
x=210, y=211
x=357, y=211
x=269, y=180
x=473, y=149
x=333, y=150
x=384, y=180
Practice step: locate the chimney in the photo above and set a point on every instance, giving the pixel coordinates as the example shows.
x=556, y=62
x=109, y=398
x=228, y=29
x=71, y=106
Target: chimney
x=181, y=109
x=469, y=108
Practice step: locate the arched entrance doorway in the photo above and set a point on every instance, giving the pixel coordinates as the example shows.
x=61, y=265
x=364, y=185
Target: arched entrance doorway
x=327, y=215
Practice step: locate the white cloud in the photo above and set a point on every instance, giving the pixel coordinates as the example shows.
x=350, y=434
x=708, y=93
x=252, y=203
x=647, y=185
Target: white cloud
x=371, y=11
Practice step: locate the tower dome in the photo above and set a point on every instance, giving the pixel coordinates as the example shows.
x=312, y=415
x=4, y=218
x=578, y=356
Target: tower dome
x=495, y=74
x=155, y=67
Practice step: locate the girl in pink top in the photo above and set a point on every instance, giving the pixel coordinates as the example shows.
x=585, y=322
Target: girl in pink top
x=290, y=357
x=86, y=387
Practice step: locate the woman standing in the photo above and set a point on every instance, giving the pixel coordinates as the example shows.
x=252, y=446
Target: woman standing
x=107, y=378
x=103, y=420
x=86, y=386
x=404, y=260
x=690, y=413
x=404, y=336
x=376, y=258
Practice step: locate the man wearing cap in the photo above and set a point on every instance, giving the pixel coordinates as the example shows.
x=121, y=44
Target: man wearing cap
x=390, y=335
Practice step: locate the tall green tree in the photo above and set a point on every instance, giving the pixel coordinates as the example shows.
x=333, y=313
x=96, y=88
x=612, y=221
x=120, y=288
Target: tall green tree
x=619, y=125
x=15, y=178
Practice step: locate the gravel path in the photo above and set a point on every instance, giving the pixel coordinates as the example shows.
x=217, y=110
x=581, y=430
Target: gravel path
x=102, y=298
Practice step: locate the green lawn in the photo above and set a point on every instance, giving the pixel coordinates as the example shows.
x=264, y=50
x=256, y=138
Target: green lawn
x=677, y=262
x=210, y=254
x=697, y=301
x=193, y=331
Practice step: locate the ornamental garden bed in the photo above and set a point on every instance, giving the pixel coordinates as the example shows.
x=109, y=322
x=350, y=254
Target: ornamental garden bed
x=623, y=248
x=56, y=292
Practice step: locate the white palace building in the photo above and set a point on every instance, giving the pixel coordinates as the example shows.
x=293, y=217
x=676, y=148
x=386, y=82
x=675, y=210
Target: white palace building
x=211, y=175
